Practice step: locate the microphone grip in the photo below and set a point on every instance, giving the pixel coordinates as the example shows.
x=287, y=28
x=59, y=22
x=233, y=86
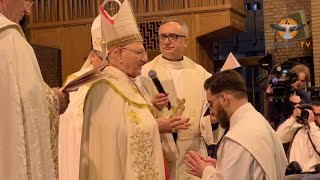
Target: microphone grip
x=160, y=89
x=158, y=85
x=169, y=105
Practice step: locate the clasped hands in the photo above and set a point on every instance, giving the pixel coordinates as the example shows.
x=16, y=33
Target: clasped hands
x=196, y=163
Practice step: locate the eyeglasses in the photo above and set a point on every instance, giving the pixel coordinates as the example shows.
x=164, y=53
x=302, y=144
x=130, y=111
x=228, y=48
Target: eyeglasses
x=171, y=37
x=141, y=53
x=210, y=103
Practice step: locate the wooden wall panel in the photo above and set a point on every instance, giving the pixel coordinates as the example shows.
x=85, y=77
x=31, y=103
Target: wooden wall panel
x=71, y=31
x=207, y=22
x=205, y=53
x=237, y=21
x=46, y=37
x=75, y=49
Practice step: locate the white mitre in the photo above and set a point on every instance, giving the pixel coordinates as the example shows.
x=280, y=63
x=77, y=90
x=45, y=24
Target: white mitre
x=95, y=39
x=120, y=29
x=231, y=63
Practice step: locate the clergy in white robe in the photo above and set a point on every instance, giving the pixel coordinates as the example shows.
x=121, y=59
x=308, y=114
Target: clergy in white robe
x=120, y=136
x=183, y=79
x=70, y=125
x=29, y=109
x=250, y=149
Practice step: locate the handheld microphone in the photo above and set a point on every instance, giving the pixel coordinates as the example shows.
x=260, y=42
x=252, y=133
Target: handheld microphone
x=153, y=75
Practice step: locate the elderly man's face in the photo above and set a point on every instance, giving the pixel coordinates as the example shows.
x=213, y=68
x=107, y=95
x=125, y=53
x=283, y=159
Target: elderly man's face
x=14, y=9
x=134, y=57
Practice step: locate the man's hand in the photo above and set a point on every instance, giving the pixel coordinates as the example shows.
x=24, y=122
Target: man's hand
x=311, y=116
x=296, y=111
x=160, y=100
x=295, y=98
x=63, y=99
x=172, y=124
x=269, y=89
x=196, y=163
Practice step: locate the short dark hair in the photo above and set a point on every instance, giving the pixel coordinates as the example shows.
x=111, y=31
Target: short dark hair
x=228, y=80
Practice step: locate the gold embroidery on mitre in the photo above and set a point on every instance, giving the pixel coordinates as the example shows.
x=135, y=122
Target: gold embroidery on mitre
x=134, y=117
x=100, y=42
x=141, y=146
x=124, y=41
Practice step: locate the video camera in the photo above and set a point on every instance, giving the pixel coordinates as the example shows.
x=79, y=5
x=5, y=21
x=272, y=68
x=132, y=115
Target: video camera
x=315, y=100
x=281, y=80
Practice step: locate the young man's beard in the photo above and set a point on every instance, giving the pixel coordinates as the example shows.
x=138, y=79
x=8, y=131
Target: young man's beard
x=222, y=116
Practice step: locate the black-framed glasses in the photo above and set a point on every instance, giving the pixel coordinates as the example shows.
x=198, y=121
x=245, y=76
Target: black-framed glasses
x=171, y=37
x=210, y=103
x=141, y=53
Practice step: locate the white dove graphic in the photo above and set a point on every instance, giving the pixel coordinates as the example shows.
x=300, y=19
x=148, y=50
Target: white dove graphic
x=287, y=28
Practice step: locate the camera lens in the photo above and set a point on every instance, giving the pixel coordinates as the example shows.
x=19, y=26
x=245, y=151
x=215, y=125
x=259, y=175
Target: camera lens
x=304, y=114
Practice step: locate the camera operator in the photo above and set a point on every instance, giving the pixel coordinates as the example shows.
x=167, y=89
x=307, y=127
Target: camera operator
x=304, y=136
x=302, y=96
x=294, y=93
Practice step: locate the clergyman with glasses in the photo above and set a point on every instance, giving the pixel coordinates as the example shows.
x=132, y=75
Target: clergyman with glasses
x=182, y=79
x=250, y=149
x=29, y=108
x=120, y=136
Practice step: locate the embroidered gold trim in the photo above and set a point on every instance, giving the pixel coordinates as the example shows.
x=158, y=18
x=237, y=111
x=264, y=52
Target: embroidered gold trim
x=100, y=42
x=54, y=127
x=134, y=117
x=142, y=150
x=124, y=40
x=104, y=81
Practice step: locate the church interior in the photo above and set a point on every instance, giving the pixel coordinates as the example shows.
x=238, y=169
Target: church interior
x=59, y=32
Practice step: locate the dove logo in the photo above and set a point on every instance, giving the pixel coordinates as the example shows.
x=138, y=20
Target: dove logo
x=287, y=28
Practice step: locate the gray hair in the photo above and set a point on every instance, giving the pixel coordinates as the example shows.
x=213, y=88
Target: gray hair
x=183, y=25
